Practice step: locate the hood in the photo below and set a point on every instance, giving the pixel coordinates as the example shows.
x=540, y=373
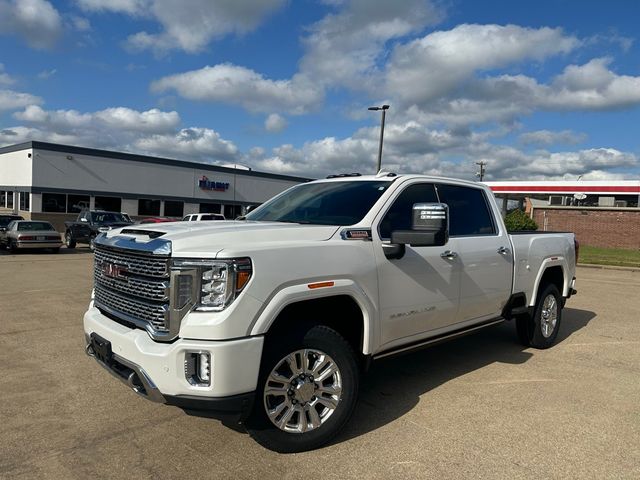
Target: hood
x=207, y=239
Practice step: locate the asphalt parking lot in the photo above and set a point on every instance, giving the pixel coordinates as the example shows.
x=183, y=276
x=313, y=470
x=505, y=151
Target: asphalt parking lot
x=478, y=407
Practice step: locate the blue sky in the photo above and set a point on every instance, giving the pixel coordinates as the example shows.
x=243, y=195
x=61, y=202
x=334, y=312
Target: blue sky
x=545, y=89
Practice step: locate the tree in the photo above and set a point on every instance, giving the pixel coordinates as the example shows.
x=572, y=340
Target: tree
x=517, y=220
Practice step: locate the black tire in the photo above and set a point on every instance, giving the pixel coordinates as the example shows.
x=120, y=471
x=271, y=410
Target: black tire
x=331, y=343
x=536, y=331
x=13, y=248
x=69, y=241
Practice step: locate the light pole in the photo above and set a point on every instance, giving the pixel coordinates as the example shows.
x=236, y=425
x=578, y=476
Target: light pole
x=384, y=109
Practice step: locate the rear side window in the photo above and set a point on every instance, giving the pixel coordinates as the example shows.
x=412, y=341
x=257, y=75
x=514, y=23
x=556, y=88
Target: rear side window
x=468, y=210
x=400, y=215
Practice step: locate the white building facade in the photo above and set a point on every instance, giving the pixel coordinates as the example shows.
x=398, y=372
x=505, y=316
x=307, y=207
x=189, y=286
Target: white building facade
x=54, y=182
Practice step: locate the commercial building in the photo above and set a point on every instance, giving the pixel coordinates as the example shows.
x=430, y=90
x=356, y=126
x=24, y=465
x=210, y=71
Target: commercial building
x=600, y=213
x=47, y=181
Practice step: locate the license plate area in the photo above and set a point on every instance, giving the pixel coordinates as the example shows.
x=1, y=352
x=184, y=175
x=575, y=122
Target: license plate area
x=101, y=349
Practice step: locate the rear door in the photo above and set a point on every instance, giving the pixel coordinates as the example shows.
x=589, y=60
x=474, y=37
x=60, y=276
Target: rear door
x=481, y=251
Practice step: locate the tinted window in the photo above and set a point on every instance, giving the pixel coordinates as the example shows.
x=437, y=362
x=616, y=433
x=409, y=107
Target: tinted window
x=107, y=217
x=24, y=201
x=399, y=216
x=77, y=203
x=325, y=203
x=6, y=219
x=468, y=210
x=173, y=208
x=54, y=202
x=111, y=204
x=148, y=207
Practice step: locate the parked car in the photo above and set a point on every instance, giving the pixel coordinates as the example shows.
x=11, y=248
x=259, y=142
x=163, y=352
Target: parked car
x=28, y=234
x=6, y=219
x=200, y=217
x=273, y=320
x=90, y=224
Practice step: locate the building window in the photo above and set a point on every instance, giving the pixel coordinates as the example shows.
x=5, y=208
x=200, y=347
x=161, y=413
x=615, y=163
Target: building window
x=148, y=207
x=54, y=202
x=173, y=208
x=77, y=203
x=24, y=201
x=232, y=211
x=9, y=199
x=3, y=199
x=110, y=204
x=210, y=208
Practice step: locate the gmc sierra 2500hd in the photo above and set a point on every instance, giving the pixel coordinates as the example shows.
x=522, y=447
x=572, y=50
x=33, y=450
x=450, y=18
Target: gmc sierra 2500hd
x=271, y=319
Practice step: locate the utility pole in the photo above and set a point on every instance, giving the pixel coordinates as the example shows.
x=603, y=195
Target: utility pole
x=480, y=174
x=384, y=109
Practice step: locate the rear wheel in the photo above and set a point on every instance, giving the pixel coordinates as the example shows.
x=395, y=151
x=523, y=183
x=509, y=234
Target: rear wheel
x=69, y=240
x=13, y=247
x=306, y=392
x=541, y=330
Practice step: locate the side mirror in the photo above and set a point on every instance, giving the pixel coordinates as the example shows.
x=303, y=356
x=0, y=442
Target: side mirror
x=429, y=227
x=3, y=229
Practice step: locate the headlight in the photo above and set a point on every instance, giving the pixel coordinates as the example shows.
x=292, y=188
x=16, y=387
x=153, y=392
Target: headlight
x=220, y=281
x=104, y=229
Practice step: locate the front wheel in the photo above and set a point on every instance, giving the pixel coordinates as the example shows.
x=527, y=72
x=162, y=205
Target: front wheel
x=541, y=330
x=306, y=392
x=69, y=240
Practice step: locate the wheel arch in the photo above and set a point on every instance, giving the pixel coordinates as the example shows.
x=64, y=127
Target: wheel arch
x=551, y=271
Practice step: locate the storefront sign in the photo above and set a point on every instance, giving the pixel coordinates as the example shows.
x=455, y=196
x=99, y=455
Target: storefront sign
x=205, y=184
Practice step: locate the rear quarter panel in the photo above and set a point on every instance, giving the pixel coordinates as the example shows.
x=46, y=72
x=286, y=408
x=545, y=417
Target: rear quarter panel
x=534, y=253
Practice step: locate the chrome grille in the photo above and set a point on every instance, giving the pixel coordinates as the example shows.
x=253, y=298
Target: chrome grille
x=134, y=287
x=155, y=314
x=147, y=265
x=139, y=287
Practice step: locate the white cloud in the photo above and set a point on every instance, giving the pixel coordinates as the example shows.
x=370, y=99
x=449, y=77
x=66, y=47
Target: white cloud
x=437, y=64
x=201, y=144
x=36, y=21
x=188, y=26
x=275, y=123
x=548, y=137
x=45, y=74
x=229, y=83
x=11, y=100
x=5, y=78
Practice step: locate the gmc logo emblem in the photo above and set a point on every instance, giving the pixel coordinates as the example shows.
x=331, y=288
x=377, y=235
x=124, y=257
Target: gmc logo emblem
x=114, y=271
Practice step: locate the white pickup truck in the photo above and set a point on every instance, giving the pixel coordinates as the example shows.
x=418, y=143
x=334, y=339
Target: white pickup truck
x=271, y=319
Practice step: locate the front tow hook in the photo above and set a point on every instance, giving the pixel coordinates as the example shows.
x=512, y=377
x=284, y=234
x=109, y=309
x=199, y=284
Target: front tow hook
x=89, y=351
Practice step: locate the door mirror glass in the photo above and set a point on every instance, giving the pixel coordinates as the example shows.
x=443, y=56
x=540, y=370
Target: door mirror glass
x=429, y=226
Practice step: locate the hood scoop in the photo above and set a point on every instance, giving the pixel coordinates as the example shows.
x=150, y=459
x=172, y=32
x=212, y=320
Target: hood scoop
x=139, y=231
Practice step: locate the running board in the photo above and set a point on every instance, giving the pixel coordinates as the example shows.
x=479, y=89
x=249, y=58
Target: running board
x=429, y=342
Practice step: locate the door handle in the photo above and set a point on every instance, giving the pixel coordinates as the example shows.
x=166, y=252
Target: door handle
x=503, y=250
x=449, y=255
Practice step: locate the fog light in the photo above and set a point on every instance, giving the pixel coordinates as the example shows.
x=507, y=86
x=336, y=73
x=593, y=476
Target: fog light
x=197, y=368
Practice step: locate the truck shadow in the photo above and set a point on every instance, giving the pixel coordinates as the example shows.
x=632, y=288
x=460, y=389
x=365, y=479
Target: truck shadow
x=393, y=387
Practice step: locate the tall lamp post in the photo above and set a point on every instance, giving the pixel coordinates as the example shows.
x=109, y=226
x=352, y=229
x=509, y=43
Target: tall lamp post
x=384, y=109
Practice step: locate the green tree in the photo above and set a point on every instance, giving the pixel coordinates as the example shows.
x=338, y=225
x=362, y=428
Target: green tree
x=517, y=220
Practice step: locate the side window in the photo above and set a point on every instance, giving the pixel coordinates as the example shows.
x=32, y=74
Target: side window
x=399, y=216
x=468, y=210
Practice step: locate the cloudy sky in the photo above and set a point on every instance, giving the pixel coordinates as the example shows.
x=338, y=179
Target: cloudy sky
x=536, y=89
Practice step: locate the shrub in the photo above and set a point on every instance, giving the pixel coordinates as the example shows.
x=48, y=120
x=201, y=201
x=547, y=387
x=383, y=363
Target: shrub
x=517, y=220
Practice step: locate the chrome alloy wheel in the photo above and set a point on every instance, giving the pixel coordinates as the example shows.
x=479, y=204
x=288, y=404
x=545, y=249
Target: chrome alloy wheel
x=549, y=316
x=302, y=391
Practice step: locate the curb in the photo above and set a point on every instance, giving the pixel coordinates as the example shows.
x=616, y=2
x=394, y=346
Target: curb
x=609, y=267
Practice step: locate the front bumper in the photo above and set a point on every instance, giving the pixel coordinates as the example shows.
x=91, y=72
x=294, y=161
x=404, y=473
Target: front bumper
x=157, y=370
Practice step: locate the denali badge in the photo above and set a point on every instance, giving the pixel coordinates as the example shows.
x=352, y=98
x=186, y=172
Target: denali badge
x=114, y=271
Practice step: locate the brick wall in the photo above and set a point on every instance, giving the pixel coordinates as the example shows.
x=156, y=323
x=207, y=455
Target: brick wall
x=597, y=227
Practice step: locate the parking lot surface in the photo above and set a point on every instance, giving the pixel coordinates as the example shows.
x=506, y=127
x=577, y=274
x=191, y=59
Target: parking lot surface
x=477, y=407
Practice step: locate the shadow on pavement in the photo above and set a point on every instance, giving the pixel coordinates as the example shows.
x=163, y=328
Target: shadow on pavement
x=393, y=386
x=37, y=252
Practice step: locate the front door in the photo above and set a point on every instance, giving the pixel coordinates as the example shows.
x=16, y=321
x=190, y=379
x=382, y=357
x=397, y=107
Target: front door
x=420, y=291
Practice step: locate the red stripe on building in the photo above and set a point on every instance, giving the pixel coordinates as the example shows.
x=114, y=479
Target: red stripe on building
x=566, y=189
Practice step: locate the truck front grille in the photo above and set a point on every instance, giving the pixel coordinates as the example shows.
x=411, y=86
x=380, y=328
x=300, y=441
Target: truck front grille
x=133, y=287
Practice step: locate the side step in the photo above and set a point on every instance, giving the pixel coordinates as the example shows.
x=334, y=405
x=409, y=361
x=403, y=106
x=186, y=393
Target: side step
x=429, y=342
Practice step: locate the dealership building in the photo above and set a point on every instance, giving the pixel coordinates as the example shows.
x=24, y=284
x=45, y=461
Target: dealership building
x=47, y=181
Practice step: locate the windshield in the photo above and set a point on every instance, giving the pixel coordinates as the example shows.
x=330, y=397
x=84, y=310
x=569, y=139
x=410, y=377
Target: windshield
x=6, y=220
x=107, y=217
x=327, y=203
x=34, y=226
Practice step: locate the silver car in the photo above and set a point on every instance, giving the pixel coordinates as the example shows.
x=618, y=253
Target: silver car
x=27, y=234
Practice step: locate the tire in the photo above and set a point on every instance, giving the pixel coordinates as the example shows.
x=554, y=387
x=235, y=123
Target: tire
x=293, y=401
x=13, y=248
x=69, y=241
x=541, y=330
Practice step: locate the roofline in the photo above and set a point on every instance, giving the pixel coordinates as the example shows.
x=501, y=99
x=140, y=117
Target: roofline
x=56, y=147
